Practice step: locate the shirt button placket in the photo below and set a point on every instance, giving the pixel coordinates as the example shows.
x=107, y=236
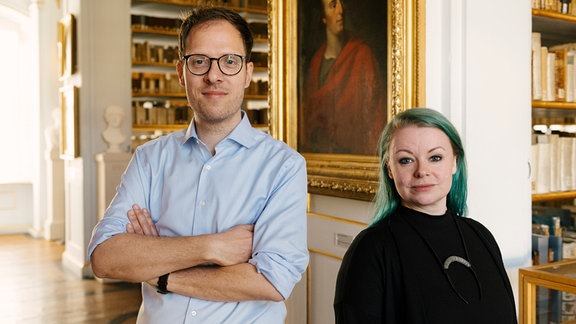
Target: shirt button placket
x=208, y=167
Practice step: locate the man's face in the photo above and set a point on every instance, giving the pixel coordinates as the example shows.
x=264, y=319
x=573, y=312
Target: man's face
x=333, y=16
x=215, y=97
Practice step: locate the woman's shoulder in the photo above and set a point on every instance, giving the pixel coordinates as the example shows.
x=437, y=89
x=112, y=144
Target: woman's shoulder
x=377, y=234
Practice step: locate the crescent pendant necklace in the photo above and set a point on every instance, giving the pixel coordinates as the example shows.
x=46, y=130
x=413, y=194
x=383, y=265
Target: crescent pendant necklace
x=451, y=259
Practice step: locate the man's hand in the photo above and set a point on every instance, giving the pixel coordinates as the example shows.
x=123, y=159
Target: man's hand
x=232, y=246
x=140, y=222
x=227, y=248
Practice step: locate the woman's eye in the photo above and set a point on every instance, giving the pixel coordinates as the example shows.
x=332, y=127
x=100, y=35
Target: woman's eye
x=436, y=158
x=404, y=160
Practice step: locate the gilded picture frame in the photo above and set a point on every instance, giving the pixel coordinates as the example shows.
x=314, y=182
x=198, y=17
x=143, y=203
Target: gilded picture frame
x=66, y=46
x=353, y=176
x=70, y=139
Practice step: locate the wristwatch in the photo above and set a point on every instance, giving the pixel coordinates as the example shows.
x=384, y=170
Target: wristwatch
x=162, y=284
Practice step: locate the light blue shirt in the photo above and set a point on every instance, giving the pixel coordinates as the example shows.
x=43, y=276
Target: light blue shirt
x=252, y=179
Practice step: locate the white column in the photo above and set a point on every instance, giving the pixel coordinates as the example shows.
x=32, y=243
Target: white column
x=44, y=16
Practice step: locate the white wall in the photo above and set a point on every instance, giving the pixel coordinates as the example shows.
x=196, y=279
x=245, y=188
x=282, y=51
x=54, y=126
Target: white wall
x=478, y=74
x=15, y=208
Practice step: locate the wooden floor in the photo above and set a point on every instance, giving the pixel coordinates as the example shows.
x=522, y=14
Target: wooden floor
x=35, y=288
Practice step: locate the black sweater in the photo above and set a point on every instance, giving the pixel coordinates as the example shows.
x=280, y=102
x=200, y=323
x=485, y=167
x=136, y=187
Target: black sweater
x=392, y=274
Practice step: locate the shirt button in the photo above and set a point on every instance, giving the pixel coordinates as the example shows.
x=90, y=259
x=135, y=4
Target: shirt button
x=203, y=203
x=193, y=313
x=208, y=167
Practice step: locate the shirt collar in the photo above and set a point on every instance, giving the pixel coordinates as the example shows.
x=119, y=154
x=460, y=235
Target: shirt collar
x=243, y=134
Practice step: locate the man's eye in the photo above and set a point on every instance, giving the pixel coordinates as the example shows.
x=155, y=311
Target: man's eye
x=231, y=61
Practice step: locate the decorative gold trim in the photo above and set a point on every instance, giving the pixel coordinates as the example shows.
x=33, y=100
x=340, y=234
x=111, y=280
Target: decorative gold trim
x=341, y=175
x=70, y=139
x=337, y=219
x=66, y=46
x=330, y=255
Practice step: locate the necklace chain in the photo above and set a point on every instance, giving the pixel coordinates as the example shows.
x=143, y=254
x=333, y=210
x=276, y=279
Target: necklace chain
x=446, y=264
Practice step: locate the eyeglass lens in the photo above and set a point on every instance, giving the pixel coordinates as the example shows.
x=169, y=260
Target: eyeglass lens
x=229, y=64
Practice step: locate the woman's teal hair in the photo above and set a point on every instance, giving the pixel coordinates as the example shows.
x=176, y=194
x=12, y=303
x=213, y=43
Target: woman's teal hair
x=387, y=198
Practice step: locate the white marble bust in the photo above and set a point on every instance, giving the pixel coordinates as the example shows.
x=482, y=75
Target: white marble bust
x=112, y=135
x=52, y=135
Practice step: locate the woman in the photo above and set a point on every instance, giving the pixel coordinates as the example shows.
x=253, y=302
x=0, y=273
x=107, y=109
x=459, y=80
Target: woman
x=421, y=261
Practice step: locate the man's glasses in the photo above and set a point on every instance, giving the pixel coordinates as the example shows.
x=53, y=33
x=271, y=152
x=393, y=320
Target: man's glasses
x=200, y=64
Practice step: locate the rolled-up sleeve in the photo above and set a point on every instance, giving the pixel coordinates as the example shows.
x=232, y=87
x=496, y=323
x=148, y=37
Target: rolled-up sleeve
x=280, y=242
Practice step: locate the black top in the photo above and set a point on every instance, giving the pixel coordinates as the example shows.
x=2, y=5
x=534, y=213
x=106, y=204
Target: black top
x=392, y=273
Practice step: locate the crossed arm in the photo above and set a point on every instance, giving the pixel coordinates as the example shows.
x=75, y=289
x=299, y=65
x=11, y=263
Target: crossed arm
x=211, y=267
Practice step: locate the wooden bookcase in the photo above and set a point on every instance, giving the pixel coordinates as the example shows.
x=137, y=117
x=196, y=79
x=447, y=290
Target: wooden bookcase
x=555, y=29
x=159, y=104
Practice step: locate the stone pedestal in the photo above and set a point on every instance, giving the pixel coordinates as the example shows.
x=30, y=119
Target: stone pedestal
x=109, y=170
x=55, y=224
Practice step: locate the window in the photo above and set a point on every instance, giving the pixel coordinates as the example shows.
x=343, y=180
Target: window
x=18, y=115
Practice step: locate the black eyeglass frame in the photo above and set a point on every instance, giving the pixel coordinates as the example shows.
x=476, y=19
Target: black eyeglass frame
x=217, y=59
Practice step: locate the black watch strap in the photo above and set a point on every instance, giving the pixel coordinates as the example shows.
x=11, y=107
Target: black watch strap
x=162, y=284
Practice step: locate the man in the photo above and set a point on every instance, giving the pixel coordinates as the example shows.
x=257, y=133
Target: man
x=212, y=219
x=343, y=105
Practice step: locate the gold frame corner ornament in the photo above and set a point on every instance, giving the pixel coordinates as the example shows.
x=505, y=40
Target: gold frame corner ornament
x=342, y=175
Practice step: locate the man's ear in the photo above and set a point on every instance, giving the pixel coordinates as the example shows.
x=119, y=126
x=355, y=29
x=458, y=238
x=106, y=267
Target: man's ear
x=180, y=70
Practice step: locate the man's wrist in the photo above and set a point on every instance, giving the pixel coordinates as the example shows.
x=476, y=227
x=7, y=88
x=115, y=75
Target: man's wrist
x=162, y=285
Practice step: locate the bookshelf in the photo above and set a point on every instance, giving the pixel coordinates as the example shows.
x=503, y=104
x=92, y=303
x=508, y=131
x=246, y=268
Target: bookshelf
x=555, y=29
x=159, y=104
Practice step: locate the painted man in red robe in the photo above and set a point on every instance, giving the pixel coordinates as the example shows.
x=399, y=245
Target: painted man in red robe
x=343, y=108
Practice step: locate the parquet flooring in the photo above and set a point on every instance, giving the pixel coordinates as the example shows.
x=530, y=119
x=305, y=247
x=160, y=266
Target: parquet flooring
x=35, y=288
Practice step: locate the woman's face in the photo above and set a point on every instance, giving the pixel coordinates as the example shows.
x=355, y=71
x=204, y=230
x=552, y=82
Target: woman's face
x=421, y=163
x=333, y=16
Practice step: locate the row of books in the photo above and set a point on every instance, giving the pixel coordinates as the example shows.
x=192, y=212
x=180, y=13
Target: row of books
x=161, y=112
x=258, y=116
x=149, y=23
x=224, y=3
x=260, y=59
x=553, y=71
x=559, y=6
x=156, y=84
x=142, y=23
x=258, y=88
x=149, y=53
x=553, y=162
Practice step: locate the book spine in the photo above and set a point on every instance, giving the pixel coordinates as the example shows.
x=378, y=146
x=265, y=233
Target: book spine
x=544, y=72
x=554, y=158
x=551, y=76
x=536, y=66
x=570, y=76
x=543, y=164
